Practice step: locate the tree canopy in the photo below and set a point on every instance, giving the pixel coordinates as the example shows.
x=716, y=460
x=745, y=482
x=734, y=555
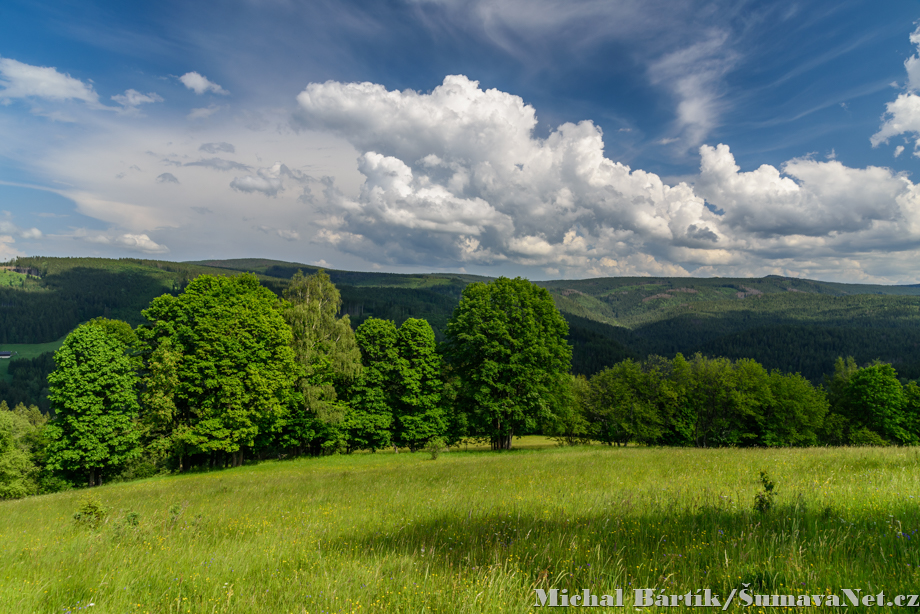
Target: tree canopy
x=506, y=342
x=93, y=392
x=234, y=366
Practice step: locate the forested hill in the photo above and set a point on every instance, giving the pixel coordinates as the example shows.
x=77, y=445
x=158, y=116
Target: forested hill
x=790, y=324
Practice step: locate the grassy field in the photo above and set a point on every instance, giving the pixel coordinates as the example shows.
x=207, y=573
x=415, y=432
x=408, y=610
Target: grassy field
x=26, y=350
x=470, y=531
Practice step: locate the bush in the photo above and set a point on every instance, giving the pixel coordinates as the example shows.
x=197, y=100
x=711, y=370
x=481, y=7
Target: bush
x=435, y=446
x=866, y=437
x=91, y=514
x=763, y=501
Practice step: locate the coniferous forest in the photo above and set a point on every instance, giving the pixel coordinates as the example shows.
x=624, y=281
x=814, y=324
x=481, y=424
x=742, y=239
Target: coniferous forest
x=177, y=366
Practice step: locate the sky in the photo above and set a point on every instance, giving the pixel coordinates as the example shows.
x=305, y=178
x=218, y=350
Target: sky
x=541, y=138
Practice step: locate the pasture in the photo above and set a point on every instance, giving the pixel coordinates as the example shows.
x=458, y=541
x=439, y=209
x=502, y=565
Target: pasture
x=472, y=531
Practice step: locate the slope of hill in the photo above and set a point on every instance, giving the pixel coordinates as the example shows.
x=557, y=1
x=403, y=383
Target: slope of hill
x=788, y=324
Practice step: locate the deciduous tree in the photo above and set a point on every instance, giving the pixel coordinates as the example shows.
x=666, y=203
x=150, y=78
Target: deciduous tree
x=507, y=343
x=324, y=345
x=234, y=369
x=93, y=392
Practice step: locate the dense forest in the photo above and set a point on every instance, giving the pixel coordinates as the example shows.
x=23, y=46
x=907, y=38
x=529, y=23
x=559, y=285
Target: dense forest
x=794, y=325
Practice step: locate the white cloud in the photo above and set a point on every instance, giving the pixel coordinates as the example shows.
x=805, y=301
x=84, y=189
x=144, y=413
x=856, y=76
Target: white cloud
x=694, y=76
x=808, y=198
x=898, y=150
x=200, y=84
x=132, y=99
x=134, y=242
x=902, y=116
x=457, y=176
x=8, y=229
x=268, y=181
x=26, y=81
x=203, y=112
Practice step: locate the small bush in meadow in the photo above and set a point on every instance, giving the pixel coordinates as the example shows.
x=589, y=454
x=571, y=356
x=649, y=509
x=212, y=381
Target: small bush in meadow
x=435, y=446
x=763, y=501
x=91, y=513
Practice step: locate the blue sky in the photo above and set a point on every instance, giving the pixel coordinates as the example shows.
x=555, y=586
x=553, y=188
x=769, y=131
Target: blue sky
x=540, y=138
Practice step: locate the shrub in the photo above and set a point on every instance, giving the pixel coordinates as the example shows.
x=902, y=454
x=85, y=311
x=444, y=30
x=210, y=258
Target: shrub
x=435, y=446
x=91, y=513
x=763, y=501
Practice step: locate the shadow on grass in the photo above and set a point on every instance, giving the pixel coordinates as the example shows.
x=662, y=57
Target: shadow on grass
x=710, y=546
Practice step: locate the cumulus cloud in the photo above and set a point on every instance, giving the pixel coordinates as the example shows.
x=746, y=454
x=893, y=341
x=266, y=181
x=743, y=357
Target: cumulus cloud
x=200, y=84
x=808, y=197
x=167, y=178
x=21, y=80
x=902, y=116
x=213, y=148
x=457, y=176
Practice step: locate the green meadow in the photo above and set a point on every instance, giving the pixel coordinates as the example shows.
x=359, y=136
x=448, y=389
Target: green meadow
x=25, y=351
x=472, y=531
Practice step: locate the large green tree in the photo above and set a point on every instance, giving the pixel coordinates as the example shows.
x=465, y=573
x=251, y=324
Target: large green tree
x=225, y=375
x=93, y=392
x=621, y=405
x=324, y=345
x=418, y=412
x=794, y=413
x=400, y=389
x=370, y=419
x=507, y=343
x=874, y=400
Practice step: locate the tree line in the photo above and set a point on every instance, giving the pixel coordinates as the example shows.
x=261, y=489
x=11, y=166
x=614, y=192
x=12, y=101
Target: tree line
x=707, y=402
x=225, y=371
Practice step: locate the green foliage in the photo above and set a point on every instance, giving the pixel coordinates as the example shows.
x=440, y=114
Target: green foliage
x=398, y=398
x=703, y=402
x=570, y=426
x=91, y=514
x=620, y=405
x=763, y=501
x=418, y=413
x=865, y=437
x=324, y=345
x=506, y=342
x=18, y=473
x=27, y=380
x=228, y=373
x=435, y=446
x=794, y=413
x=93, y=392
x=874, y=399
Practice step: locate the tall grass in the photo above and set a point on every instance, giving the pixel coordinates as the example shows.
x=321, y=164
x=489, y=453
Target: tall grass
x=469, y=532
